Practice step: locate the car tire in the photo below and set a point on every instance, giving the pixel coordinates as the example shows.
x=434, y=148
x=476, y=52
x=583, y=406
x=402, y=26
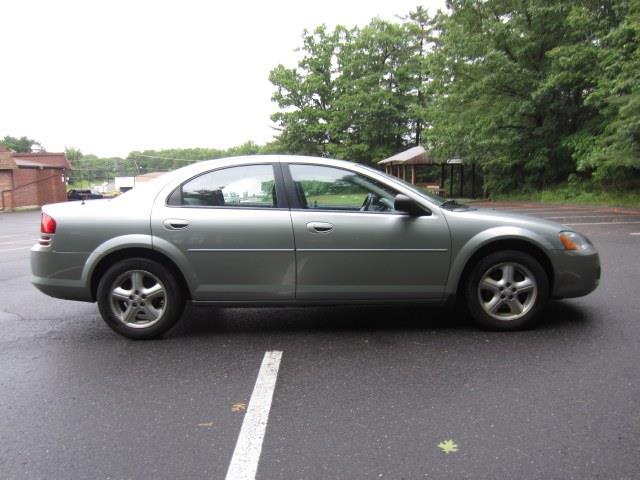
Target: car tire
x=140, y=299
x=506, y=290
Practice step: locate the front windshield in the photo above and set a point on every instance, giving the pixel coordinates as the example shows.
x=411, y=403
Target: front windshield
x=414, y=188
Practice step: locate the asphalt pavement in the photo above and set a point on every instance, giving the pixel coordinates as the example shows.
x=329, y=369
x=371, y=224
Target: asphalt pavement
x=361, y=392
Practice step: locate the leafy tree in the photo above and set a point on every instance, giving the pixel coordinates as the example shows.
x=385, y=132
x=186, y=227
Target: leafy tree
x=613, y=152
x=492, y=106
x=514, y=82
x=306, y=94
x=356, y=93
x=22, y=144
x=531, y=90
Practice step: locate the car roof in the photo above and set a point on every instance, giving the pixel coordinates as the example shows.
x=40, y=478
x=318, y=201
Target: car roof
x=249, y=159
x=172, y=179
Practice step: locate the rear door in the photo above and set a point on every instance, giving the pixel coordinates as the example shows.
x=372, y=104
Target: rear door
x=234, y=229
x=352, y=244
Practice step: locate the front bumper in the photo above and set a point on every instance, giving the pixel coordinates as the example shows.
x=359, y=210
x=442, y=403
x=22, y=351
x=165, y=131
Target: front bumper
x=575, y=273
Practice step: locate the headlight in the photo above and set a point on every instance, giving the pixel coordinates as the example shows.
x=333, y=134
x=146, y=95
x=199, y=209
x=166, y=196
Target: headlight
x=574, y=241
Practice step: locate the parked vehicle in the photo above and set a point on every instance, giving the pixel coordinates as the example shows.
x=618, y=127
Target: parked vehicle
x=76, y=194
x=291, y=230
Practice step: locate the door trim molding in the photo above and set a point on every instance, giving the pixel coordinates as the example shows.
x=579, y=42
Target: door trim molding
x=372, y=249
x=240, y=250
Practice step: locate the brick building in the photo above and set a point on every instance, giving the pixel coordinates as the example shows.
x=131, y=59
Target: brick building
x=28, y=179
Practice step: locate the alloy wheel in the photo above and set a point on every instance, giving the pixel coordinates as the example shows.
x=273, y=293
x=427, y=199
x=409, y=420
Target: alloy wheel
x=138, y=299
x=507, y=291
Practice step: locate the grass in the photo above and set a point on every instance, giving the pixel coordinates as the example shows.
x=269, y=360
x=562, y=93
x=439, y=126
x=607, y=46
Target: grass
x=572, y=195
x=349, y=200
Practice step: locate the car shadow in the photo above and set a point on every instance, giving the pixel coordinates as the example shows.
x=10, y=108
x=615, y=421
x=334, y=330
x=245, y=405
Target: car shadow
x=205, y=320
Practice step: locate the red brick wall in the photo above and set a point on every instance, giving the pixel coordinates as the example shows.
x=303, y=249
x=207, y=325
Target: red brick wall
x=33, y=186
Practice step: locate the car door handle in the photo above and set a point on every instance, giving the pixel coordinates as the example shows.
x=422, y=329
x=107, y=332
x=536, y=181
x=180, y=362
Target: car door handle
x=175, y=223
x=319, y=227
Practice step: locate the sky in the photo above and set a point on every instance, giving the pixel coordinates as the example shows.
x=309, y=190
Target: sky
x=109, y=77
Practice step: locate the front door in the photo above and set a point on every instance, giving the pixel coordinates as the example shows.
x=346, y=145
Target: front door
x=235, y=235
x=352, y=244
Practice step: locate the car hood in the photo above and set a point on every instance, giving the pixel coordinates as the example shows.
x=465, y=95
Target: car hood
x=467, y=223
x=520, y=219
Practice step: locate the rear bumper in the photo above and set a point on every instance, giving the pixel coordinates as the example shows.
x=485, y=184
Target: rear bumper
x=59, y=274
x=576, y=274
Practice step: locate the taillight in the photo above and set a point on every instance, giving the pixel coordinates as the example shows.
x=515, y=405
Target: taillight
x=47, y=224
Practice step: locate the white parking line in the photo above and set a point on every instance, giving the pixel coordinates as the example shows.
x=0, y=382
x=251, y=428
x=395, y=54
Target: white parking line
x=19, y=242
x=601, y=223
x=548, y=210
x=604, y=215
x=3, y=237
x=634, y=233
x=244, y=462
x=570, y=212
x=12, y=249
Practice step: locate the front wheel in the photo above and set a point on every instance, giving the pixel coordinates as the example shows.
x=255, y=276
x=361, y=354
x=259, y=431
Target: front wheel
x=506, y=290
x=139, y=298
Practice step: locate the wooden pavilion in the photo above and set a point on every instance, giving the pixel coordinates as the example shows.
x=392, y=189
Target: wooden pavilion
x=418, y=157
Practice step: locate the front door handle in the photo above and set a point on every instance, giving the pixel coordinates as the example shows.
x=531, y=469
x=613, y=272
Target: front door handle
x=175, y=223
x=319, y=227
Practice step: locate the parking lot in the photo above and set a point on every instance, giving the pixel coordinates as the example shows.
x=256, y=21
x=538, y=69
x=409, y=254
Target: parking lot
x=360, y=392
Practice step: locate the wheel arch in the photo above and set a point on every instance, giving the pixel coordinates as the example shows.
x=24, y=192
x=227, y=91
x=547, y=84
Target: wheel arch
x=501, y=244
x=136, y=252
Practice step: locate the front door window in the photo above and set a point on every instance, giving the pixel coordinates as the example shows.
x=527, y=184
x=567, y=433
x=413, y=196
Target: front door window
x=327, y=188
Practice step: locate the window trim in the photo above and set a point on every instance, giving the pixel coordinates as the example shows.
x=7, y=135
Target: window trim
x=295, y=203
x=281, y=199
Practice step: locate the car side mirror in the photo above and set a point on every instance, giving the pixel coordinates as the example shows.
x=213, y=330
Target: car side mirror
x=404, y=204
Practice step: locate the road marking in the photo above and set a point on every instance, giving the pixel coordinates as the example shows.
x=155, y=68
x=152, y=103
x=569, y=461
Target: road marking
x=20, y=241
x=12, y=249
x=570, y=212
x=244, y=462
x=604, y=215
x=577, y=210
x=543, y=210
x=634, y=233
x=601, y=223
x=3, y=237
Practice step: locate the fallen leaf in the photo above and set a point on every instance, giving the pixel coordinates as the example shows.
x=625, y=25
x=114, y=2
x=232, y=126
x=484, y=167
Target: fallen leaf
x=448, y=446
x=239, y=407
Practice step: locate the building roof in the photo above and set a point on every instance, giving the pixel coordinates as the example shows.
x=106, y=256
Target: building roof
x=12, y=160
x=48, y=159
x=29, y=164
x=413, y=156
x=148, y=176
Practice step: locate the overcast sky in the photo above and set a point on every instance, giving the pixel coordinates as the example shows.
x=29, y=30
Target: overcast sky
x=113, y=76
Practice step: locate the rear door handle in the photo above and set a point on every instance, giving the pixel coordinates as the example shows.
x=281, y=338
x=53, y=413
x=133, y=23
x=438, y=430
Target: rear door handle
x=319, y=227
x=175, y=223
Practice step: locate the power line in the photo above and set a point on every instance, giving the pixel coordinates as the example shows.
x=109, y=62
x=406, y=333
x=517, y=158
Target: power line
x=169, y=158
x=111, y=170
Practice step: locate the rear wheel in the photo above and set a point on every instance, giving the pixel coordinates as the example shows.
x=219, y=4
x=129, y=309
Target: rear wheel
x=506, y=290
x=139, y=298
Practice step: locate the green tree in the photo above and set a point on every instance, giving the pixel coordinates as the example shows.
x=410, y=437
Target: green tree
x=512, y=83
x=611, y=148
x=22, y=144
x=356, y=93
x=306, y=94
